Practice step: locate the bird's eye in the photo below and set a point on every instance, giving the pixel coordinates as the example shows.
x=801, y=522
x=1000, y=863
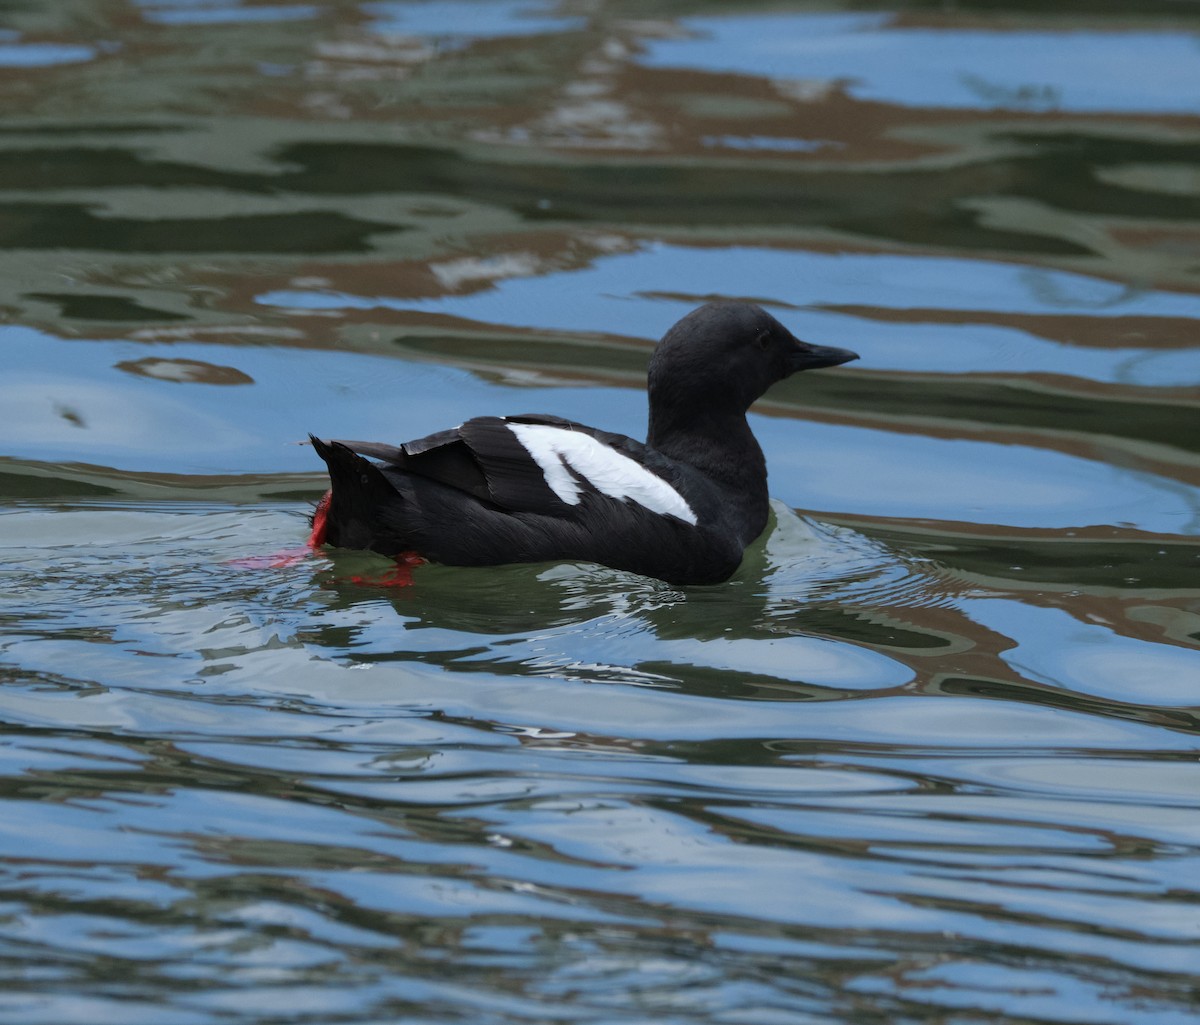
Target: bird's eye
x=763, y=339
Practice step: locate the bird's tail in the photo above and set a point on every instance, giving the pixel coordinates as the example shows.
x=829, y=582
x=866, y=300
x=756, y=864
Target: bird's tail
x=358, y=497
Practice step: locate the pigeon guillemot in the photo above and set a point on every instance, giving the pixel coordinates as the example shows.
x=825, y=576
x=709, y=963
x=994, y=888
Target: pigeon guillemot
x=536, y=488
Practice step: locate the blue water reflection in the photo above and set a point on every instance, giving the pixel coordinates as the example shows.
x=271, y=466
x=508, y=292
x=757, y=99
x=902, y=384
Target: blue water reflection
x=468, y=18
x=1057, y=648
x=609, y=296
x=222, y=12
x=98, y=414
x=95, y=412
x=875, y=58
x=819, y=466
x=1018, y=992
x=42, y=55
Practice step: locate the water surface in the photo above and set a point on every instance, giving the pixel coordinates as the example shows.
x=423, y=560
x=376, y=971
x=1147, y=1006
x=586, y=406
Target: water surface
x=931, y=754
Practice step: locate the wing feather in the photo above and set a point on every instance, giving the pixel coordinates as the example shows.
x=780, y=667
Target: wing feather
x=514, y=478
x=493, y=458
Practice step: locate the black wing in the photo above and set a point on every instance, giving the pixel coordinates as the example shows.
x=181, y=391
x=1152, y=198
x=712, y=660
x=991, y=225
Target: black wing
x=484, y=458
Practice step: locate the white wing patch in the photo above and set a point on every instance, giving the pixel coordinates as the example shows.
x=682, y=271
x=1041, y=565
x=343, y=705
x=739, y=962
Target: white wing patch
x=558, y=451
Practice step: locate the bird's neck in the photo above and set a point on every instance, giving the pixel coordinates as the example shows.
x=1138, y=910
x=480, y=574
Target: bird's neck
x=720, y=445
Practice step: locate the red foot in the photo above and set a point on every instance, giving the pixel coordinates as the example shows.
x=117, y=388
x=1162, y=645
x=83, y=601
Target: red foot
x=399, y=575
x=291, y=556
x=320, y=524
x=276, y=560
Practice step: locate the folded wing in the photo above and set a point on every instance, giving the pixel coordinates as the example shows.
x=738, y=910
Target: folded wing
x=533, y=463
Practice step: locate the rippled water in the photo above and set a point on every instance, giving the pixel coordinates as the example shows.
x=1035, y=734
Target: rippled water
x=931, y=755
